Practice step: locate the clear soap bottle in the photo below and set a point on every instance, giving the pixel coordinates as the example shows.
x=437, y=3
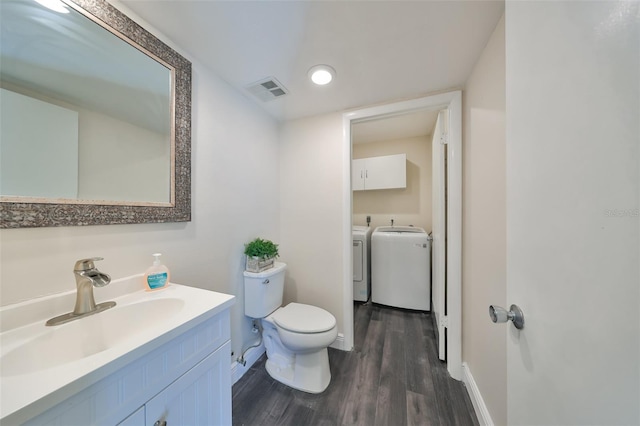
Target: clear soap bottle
x=157, y=276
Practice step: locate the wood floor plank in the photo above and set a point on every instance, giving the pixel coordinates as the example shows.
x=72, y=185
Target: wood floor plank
x=376, y=314
x=329, y=408
x=241, y=385
x=279, y=401
x=295, y=415
x=362, y=317
x=395, y=318
x=419, y=378
x=461, y=405
x=360, y=404
x=391, y=402
x=441, y=379
x=247, y=411
x=418, y=411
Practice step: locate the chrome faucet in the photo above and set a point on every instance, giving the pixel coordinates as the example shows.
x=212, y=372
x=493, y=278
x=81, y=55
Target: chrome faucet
x=87, y=277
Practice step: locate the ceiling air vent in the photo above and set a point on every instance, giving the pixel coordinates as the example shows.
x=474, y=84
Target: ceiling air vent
x=267, y=89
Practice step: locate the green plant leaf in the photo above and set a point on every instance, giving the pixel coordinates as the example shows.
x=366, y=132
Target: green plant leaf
x=263, y=249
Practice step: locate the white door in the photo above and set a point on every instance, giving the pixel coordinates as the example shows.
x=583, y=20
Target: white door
x=439, y=230
x=573, y=228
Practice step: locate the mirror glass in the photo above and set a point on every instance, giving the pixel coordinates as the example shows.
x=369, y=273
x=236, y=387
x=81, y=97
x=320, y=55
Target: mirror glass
x=89, y=103
x=85, y=115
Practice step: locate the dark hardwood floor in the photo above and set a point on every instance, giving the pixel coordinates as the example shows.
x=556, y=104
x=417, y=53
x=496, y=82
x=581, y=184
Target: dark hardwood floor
x=392, y=377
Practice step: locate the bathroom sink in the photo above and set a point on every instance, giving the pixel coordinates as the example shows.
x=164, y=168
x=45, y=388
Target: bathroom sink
x=87, y=336
x=41, y=366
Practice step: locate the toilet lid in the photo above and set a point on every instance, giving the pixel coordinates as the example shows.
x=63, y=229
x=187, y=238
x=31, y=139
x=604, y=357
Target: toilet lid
x=300, y=318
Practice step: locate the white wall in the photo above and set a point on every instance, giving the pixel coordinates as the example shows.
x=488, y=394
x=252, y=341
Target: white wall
x=483, y=224
x=407, y=206
x=311, y=208
x=234, y=199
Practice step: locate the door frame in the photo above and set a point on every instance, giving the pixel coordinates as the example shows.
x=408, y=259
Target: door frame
x=451, y=101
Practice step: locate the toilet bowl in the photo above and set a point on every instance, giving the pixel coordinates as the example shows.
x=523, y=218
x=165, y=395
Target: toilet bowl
x=299, y=358
x=296, y=336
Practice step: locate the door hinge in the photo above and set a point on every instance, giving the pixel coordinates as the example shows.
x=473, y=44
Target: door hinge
x=444, y=139
x=444, y=321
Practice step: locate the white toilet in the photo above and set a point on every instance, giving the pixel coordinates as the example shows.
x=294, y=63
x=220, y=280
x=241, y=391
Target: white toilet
x=296, y=336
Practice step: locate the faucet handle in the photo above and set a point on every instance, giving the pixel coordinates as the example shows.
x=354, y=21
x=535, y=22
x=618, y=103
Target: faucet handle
x=86, y=264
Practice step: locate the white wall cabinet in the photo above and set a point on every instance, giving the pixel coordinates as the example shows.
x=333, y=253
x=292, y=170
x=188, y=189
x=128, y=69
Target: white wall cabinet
x=186, y=381
x=385, y=172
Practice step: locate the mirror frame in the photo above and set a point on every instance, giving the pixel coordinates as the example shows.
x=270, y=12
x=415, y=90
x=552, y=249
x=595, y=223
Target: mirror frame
x=48, y=214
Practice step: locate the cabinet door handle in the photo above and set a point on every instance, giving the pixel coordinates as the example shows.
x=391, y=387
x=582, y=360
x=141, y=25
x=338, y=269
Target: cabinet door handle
x=366, y=173
x=160, y=423
x=361, y=176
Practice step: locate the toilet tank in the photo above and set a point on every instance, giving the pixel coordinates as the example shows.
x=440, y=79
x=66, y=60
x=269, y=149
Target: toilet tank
x=263, y=291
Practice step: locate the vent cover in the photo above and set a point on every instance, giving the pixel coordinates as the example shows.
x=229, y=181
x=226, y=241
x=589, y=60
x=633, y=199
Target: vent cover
x=267, y=89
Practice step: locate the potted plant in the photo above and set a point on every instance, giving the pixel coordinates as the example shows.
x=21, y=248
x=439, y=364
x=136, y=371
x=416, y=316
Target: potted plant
x=260, y=254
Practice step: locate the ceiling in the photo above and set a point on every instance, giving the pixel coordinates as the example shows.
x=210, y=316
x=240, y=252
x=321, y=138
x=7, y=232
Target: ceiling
x=382, y=51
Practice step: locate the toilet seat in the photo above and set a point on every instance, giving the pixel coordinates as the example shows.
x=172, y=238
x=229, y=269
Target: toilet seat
x=304, y=319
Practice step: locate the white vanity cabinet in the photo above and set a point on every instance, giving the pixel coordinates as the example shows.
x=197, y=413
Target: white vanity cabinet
x=185, y=381
x=385, y=172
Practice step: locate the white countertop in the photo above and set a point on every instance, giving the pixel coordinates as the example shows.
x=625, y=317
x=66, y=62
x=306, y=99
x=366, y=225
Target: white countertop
x=31, y=386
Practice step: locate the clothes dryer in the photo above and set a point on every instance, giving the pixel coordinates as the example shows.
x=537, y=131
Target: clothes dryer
x=361, y=263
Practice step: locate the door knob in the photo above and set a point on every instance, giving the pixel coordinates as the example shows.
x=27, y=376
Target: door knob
x=514, y=314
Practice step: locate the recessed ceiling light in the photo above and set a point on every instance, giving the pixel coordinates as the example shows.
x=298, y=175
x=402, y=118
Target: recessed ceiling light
x=322, y=74
x=55, y=5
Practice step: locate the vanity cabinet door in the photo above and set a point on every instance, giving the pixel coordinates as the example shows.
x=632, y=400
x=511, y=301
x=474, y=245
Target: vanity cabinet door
x=136, y=419
x=202, y=396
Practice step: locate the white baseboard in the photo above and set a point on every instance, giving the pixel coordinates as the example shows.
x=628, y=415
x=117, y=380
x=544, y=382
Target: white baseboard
x=482, y=412
x=338, y=343
x=252, y=355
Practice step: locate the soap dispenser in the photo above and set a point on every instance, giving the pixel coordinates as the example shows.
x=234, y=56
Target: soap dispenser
x=157, y=276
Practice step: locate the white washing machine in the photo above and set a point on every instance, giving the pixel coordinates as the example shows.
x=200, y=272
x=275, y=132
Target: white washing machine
x=361, y=263
x=401, y=267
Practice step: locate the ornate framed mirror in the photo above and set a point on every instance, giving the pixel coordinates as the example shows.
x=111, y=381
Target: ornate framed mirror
x=96, y=118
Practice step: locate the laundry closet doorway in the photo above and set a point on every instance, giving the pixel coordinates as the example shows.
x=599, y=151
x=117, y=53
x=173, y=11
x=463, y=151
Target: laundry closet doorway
x=445, y=219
